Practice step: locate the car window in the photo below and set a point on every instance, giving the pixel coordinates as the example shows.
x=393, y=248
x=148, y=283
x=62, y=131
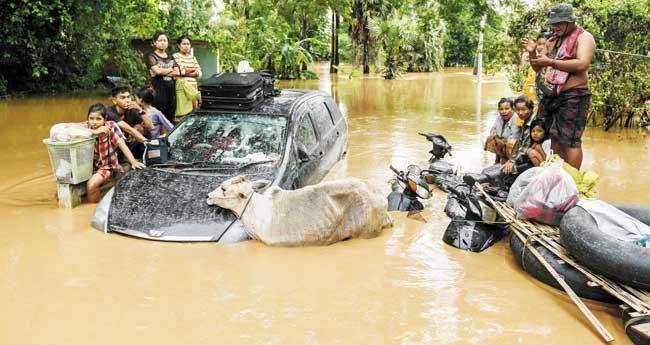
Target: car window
x=228, y=139
x=306, y=135
x=322, y=117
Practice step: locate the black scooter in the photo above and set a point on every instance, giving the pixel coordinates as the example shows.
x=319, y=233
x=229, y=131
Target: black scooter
x=407, y=188
x=440, y=149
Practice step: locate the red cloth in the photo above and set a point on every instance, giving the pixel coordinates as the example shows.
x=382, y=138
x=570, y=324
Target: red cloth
x=106, y=146
x=567, y=51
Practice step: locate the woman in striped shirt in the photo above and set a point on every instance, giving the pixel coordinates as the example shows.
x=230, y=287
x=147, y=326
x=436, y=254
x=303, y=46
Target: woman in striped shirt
x=187, y=93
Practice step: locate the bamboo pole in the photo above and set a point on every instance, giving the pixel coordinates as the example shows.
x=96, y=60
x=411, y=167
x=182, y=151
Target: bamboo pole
x=617, y=290
x=578, y=302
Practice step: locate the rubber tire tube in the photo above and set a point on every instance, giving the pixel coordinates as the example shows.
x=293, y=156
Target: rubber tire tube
x=576, y=280
x=628, y=322
x=621, y=261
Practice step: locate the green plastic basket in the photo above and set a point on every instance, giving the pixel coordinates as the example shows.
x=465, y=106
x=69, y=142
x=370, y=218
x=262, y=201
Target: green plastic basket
x=72, y=162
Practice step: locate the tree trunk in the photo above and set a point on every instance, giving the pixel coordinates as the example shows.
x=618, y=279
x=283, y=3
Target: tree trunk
x=333, y=44
x=336, y=40
x=303, y=66
x=366, y=48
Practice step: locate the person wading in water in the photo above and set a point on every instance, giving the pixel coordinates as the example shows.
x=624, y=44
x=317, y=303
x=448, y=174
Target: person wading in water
x=564, y=81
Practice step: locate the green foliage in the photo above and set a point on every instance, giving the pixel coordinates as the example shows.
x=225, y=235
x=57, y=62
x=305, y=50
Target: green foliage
x=517, y=75
x=61, y=45
x=395, y=43
x=257, y=32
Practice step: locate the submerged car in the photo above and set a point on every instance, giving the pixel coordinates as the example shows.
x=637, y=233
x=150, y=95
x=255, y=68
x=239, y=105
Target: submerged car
x=291, y=140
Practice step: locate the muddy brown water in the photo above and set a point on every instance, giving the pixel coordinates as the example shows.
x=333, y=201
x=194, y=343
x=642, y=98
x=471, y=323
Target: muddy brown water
x=63, y=282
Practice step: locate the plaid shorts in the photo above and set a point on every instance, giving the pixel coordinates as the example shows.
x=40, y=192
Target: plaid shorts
x=104, y=172
x=566, y=116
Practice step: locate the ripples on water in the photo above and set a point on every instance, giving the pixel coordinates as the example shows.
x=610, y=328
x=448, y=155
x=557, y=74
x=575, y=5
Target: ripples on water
x=76, y=285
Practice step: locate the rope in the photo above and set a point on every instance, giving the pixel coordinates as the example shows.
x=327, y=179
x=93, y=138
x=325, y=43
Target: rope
x=624, y=53
x=529, y=239
x=234, y=220
x=479, y=221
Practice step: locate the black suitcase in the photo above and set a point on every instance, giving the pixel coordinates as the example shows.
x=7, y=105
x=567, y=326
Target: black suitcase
x=246, y=102
x=232, y=85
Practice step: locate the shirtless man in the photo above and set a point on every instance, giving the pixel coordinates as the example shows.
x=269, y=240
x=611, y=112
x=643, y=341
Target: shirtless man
x=565, y=110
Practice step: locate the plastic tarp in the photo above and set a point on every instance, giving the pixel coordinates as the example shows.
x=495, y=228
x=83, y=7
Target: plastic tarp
x=615, y=222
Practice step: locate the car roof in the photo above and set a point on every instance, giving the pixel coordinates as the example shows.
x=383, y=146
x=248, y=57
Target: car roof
x=280, y=105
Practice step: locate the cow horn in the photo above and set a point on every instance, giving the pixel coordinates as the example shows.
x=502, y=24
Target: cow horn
x=259, y=184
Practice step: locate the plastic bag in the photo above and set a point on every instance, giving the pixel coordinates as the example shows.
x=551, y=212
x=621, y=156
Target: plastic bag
x=585, y=181
x=522, y=181
x=67, y=132
x=63, y=170
x=548, y=196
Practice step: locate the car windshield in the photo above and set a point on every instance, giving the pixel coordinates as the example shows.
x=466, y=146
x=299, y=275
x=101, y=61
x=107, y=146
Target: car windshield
x=228, y=139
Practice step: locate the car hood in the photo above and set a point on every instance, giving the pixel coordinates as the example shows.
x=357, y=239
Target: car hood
x=170, y=205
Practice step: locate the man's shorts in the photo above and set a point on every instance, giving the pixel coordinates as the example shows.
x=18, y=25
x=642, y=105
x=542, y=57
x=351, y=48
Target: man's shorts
x=566, y=116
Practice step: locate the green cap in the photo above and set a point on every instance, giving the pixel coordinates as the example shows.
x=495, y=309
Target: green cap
x=562, y=13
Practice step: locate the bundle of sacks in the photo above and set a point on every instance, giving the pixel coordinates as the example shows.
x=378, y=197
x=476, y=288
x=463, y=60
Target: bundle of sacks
x=546, y=193
x=321, y=214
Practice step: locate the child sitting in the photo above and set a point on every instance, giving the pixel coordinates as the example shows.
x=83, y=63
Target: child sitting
x=504, y=132
x=105, y=156
x=160, y=124
x=540, y=146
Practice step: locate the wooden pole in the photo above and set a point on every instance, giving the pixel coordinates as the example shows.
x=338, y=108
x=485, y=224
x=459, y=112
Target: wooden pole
x=583, y=308
x=572, y=295
x=479, y=52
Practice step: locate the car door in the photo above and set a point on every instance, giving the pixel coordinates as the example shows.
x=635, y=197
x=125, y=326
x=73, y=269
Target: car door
x=307, y=150
x=327, y=132
x=340, y=144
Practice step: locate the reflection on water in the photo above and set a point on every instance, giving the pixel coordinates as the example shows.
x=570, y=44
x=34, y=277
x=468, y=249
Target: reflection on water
x=77, y=285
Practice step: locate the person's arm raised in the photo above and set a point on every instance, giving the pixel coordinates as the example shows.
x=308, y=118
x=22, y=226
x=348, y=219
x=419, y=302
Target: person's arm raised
x=530, y=46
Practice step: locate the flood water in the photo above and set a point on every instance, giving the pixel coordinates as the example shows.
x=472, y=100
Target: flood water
x=63, y=282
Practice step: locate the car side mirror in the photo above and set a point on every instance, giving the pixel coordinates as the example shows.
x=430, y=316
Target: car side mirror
x=303, y=156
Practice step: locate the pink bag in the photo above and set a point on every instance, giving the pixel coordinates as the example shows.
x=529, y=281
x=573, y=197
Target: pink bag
x=548, y=196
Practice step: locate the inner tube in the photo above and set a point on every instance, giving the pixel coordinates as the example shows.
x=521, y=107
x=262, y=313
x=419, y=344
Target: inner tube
x=637, y=337
x=576, y=280
x=621, y=261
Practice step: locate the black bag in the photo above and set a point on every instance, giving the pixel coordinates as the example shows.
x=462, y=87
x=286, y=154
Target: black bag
x=237, y=91
x=232, y=85
x=156, y=151
x=233, y=103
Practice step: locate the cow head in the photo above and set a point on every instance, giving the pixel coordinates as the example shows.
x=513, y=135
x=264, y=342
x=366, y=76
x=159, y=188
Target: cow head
x=234, y=193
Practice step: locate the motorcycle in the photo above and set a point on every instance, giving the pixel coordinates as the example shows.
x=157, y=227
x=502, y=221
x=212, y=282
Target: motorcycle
x=475, y=225
x=407, y=188
x=497, y=184
x=437, y=165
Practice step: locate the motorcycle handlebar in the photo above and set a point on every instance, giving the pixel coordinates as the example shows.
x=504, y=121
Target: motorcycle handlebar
x=399, y=173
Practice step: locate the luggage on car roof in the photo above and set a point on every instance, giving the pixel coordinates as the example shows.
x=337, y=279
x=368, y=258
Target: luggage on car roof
x=236, y=90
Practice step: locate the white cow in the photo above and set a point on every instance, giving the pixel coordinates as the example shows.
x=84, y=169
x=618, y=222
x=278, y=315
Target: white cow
x=314, y=215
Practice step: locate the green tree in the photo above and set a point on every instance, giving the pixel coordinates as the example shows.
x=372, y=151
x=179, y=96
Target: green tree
x=362, y=12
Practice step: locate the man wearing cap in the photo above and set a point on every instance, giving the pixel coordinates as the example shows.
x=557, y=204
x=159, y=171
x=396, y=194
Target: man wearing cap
x=564, y=81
